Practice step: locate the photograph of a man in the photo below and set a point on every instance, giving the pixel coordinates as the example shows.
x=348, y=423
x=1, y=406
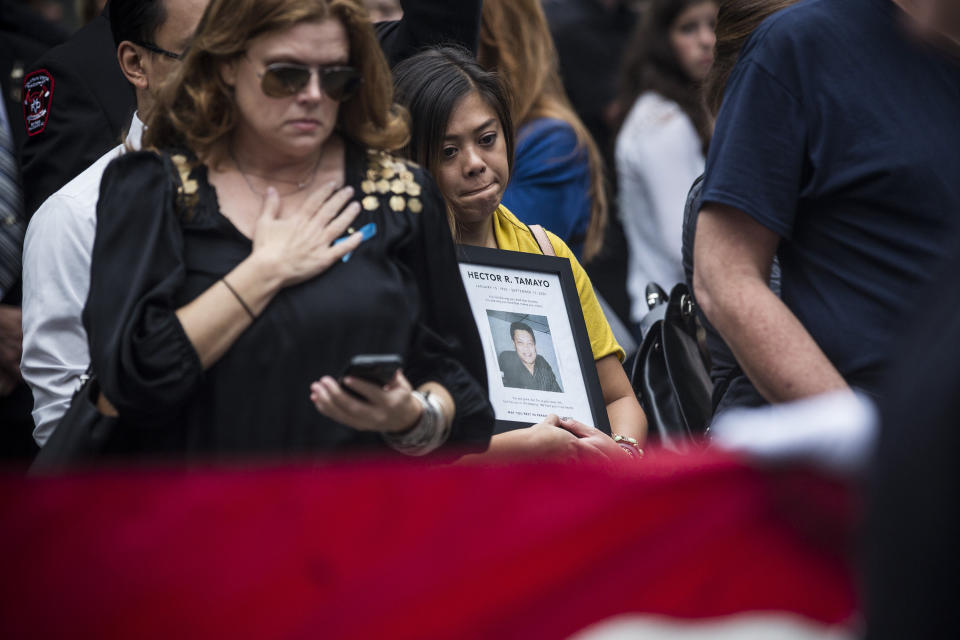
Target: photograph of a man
x=523, y=368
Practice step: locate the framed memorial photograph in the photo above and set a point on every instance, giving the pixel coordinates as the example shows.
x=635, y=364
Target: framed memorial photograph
x=535, y=342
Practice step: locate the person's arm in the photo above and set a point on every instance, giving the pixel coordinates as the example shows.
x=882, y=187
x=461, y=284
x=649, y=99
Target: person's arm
x=288, y=248
x=624, y=412
x=444, y=359
x=148, y=349
x=10, y=346
x=545, y=440
x=557, y=439
x=391, y=408
x=430, y=23
x=445, y=348
x=732, y=258
x=56, y=279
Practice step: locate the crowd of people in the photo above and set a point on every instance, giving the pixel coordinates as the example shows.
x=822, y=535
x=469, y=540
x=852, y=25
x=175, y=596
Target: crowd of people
x=213, y=206
x=293, y=179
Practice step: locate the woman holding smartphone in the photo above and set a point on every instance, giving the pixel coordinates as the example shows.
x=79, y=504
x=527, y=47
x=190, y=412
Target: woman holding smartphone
x=268, y=237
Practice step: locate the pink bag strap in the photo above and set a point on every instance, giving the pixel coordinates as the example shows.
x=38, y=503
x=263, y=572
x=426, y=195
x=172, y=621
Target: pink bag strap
x=540, y=235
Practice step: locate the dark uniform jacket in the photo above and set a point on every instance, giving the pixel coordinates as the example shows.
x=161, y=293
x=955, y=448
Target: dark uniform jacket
x=19, y=46
x=78, y=106
x=16, y=52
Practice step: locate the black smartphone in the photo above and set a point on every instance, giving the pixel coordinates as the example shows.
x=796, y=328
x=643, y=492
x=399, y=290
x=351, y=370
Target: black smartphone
x=378, y=369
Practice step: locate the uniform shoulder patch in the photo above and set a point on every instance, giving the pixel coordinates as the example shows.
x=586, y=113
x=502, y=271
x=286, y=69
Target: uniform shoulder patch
x=37, y=98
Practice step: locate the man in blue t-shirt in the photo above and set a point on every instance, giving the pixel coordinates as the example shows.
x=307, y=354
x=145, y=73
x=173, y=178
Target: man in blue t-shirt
x=838, y=149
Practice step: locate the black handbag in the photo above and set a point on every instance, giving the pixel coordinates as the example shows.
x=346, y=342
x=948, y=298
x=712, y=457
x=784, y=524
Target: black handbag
x=670, y=376
x=81, y=434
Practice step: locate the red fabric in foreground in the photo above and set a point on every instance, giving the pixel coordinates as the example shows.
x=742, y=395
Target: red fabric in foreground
x=404, y=551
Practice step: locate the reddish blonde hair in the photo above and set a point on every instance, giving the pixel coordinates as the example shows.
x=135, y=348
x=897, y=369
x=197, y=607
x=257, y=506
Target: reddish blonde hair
x=196, y=108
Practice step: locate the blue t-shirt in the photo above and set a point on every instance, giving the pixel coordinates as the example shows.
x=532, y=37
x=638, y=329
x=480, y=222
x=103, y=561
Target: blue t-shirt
x=550, y=185
x=841, y=133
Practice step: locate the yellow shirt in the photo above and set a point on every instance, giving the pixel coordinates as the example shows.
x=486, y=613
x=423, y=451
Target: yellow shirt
x=513, y=235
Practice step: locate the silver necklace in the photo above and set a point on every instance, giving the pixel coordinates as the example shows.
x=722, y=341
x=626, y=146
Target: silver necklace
x=300, y=186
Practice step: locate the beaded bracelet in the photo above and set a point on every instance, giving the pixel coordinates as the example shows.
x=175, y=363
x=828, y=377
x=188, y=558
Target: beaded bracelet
x=628, y=444
x=431, y=431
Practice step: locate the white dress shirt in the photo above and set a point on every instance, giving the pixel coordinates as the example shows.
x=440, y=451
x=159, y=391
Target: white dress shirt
x=658, y=156
x=57, y=252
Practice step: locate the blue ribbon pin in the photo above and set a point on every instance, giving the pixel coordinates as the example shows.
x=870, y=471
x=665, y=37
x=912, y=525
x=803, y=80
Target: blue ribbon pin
x=367, y=231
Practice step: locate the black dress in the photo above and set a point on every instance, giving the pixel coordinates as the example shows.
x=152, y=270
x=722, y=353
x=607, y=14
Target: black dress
x=400, y=292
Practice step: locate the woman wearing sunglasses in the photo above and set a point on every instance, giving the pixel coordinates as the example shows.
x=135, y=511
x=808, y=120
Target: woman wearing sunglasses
x=267, y=239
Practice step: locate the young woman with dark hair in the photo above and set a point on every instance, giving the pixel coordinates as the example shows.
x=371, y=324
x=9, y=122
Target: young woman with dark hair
x=660, y=147
x=462, y=133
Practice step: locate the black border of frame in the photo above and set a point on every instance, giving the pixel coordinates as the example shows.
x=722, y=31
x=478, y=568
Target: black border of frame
x=540, y=263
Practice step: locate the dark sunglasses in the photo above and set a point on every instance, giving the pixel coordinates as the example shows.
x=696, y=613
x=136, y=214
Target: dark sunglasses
x=285, y=79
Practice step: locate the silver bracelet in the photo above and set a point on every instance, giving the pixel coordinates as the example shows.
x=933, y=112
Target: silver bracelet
x=431, y=431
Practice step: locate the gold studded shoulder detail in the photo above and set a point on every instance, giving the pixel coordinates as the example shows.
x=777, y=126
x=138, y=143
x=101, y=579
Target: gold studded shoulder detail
x=391, y=180
x=187, y=189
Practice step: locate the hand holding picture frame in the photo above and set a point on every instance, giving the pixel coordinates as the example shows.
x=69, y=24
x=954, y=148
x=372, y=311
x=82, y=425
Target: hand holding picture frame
x=535, y=341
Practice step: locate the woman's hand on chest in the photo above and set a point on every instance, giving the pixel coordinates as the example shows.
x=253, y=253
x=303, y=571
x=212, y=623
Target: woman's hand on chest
x=293, y=243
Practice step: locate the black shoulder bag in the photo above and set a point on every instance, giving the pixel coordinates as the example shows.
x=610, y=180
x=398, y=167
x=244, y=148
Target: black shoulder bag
x=670, y=376
x=82, y=433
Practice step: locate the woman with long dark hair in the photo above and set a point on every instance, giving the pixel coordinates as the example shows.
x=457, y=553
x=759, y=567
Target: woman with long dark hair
x=660, y=147
x=462, y=133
